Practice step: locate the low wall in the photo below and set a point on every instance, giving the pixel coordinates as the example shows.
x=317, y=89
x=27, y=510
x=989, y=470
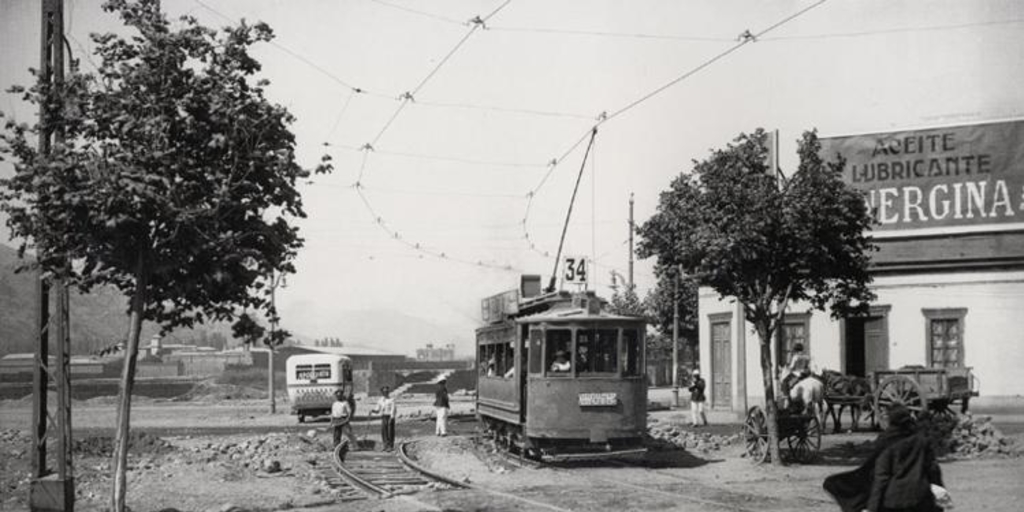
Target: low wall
x=91, y=388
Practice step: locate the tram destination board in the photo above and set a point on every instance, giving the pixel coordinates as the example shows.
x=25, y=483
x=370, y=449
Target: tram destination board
x=496, y=307
x=598, y=399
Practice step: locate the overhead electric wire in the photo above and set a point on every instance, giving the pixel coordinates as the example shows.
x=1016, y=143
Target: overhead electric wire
x=596, y=33
x=533, y=112
x=744, y=38
x=425, y=14
x=441, y=158
x=341, y=113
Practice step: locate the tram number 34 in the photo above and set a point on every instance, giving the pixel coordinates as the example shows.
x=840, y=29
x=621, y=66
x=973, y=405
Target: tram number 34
x=576, y=270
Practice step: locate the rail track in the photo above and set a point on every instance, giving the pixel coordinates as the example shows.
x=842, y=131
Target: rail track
x=369, y=474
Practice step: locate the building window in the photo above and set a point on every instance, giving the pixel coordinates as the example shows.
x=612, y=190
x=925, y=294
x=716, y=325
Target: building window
x=945, y=337
x=795, y=329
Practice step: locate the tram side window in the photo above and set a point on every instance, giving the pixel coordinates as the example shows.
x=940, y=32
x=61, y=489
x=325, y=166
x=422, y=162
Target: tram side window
x=630, y=353
x=597, y=351
x=558, y=351
x=488, y=364
x=509, y=369
x=536, y=363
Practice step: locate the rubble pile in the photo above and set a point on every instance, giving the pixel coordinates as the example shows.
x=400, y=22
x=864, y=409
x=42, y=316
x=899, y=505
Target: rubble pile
x=673, y=436
x=138, y=443
x=969, y=436
x=262, y=453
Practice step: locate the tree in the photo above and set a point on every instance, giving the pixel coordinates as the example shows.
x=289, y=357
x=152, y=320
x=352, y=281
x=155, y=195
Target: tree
x=765, y=240
x=176, y=182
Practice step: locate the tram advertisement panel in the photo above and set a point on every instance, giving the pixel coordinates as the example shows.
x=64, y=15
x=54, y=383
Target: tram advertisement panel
x=957, y=179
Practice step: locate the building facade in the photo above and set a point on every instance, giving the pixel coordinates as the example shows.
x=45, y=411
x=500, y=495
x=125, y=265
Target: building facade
x=948, y=276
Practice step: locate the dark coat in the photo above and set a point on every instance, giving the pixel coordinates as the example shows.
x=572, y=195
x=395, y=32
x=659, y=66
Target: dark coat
x=903, y=475
x=441, y=397
x=697, y=390
x=852, y=489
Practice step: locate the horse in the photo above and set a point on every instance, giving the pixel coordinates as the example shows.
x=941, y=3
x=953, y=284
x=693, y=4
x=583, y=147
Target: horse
x=809, y=393
x=846, y=391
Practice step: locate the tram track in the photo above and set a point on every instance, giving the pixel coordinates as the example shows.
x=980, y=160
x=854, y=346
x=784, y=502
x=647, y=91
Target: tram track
x=378, y=475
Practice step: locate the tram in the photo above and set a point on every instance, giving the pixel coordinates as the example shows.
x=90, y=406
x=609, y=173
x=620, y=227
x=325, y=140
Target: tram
x=312, y=381
x=559, y=376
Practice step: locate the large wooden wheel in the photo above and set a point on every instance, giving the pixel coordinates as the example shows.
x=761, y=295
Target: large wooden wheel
x=755, y=431
x=805, y=442
x=898, y=390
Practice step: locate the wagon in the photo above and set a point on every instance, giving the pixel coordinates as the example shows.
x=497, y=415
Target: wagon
x=799, y=433
x=921, y=389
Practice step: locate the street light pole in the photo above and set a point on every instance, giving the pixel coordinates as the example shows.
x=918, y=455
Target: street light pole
x=675, y=344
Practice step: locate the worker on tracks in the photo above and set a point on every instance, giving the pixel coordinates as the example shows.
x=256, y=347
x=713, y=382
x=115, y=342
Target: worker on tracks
x=441, y=408
x=341, y=422
x=386, y=409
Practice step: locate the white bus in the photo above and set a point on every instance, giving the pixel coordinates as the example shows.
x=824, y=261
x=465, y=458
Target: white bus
x=312, y=381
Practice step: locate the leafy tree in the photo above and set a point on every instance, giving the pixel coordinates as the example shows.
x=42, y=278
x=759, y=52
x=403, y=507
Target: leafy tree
x=626, y=302
x=765, y=240
x=660, y=305
x=176, y=182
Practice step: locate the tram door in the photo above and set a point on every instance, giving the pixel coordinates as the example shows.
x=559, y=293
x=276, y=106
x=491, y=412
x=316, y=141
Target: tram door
x=721, y=365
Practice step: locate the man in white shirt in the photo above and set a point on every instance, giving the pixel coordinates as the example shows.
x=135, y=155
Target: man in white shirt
x=341, y=417
x=386, y=409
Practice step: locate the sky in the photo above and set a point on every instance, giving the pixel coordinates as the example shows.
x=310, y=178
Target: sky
x=453, y=168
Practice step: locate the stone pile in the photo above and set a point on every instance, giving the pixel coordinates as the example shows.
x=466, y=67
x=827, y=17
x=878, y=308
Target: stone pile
x=262, y=453
x=975, y=436
x=671, y=436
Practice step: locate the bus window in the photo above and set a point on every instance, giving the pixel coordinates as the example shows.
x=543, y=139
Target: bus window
x=536, y=363
x=304, y=372
x=630, y=353
x=597, y=351
x=558, y=351
x=321, y=371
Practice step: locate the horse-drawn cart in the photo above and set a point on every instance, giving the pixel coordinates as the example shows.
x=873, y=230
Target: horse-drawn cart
x=921, y=389
x=800, y=432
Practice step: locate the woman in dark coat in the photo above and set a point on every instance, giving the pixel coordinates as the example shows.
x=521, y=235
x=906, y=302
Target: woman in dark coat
x=897, y=476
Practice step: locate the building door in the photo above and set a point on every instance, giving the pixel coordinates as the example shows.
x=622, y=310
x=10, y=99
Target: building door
x=721, y=365
x=867, y=345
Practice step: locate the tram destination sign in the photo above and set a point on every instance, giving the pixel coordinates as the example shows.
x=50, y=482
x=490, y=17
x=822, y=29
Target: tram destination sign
x=598, y=399
x=958, y=179
x=496, y=308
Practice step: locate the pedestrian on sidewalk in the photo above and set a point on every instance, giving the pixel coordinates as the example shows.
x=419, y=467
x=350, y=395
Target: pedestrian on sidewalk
x=441, y=408
x=341, y=423
x=697, y=399
x=386, y=409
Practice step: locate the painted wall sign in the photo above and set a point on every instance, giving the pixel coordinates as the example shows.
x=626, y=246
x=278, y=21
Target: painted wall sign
x=958, y=179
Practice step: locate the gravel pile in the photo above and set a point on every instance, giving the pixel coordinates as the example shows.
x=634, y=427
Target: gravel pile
x=138, y=443
x=969, y=436
x=262, y=452
x=671, y=436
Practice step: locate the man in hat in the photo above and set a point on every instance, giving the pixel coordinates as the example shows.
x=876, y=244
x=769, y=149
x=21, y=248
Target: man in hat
x=441, y=408
x=697, y=399
x=341, y=417
x=386, y=409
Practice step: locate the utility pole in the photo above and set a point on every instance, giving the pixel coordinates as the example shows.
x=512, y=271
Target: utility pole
x=49, y=491
x=675, y=342
x=631, y=229
x=275, y=281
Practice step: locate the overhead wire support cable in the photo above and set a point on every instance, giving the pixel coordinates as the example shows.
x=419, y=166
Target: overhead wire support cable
x=744, y=38
x=568, y=213
x=425, y=14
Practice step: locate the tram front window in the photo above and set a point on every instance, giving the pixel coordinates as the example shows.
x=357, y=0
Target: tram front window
x=596, y=351
x=630, y=353
x=558, y=350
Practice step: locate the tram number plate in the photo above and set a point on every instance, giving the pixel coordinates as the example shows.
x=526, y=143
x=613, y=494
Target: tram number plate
x=592, y=399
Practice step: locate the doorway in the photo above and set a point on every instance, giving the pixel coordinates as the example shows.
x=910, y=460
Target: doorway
x=721, y=365
x=866, y=344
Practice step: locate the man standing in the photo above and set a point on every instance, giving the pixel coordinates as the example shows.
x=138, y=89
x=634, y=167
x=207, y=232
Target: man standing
x=697, y=399
x=441, y=409
x=386, y=409
x=341, y=416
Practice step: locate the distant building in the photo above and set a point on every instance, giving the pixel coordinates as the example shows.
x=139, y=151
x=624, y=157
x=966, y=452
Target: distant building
x=432, y=353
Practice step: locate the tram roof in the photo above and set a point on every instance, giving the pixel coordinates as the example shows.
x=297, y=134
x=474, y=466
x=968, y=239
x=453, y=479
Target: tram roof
x=576, y=315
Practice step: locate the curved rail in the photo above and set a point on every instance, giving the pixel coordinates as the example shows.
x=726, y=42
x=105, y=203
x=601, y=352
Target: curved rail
x=403, y=455
x=354, y=479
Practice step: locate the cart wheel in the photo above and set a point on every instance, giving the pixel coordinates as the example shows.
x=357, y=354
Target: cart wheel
x=963, y=404
x=755, y=430
x=803, y=445
x=941, y=410
x=898, y=390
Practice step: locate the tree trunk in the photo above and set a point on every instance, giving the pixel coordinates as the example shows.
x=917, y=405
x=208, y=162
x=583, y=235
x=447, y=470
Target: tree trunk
x=131, y=353
x=768, y=379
